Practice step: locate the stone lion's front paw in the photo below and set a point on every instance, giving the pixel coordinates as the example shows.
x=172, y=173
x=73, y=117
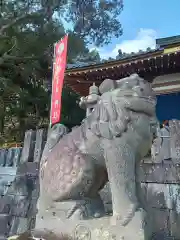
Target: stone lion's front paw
x=127, y=217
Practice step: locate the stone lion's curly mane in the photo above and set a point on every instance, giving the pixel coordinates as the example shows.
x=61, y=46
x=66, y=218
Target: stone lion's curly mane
x=114, y=111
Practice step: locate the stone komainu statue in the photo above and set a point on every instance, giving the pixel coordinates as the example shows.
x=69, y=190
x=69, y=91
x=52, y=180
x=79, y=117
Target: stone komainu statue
x=108, y=145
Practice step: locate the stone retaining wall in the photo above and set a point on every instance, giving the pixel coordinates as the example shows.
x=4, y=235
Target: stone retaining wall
x=19, y=186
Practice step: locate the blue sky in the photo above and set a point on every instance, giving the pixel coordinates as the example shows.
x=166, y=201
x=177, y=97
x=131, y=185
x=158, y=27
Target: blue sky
x=143, y=21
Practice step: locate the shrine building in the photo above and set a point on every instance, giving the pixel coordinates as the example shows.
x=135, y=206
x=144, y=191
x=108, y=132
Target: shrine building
x=161, y=67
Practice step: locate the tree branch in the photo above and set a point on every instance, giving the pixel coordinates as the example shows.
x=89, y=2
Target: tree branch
x=20, y=18
x=13, y=46
x=3, y=37
x=46, y=11
x=5, y=58
x=16, y=58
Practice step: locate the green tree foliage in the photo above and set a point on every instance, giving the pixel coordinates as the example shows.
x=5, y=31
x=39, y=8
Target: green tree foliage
x=121, y=54
x=28, y=30
x=71, y=112
x=148, y=49
x=90, y=56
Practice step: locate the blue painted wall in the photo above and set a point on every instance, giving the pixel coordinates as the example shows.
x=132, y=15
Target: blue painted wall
x=168, y=107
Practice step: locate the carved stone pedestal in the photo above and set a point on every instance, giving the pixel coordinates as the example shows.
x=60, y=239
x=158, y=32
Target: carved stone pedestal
x=94, y=229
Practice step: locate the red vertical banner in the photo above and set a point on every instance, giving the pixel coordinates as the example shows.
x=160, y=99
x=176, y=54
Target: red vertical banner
x=59, y=66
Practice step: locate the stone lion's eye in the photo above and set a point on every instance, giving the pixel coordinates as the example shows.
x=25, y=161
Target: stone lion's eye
x=141, y=89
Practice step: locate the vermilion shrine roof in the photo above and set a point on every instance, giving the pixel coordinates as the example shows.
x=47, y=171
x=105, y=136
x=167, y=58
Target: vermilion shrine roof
x=164, y=60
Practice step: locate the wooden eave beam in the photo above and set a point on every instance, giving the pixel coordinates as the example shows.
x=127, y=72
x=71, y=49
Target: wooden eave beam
x=148, y=65
x=112, y=64
x=148, y=68
x=166, y=84
x=168, y=91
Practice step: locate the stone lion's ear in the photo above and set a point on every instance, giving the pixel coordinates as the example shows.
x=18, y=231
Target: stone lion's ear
x=135, y=79
x=128, y=82
x=134, y=75
x=107, y=85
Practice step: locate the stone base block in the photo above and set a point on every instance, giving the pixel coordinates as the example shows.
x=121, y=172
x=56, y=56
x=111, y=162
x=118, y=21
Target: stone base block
x=60, y=209
x=95, y=229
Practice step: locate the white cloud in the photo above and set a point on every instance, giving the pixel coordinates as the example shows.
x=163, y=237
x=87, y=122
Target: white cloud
x=145, y=38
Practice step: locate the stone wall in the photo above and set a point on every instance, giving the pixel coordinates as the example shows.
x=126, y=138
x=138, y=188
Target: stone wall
x=160, y=191
x=19, y=186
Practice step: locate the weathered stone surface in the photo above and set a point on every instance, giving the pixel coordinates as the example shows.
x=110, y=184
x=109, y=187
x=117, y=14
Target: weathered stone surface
x=26, y=181
x=19, y=187
x=3, y=189
x=5, y=204
x=28, y=168
x=20, y=206
x=156, y=224
x=158, y=173
x=23, y=206
x=4, y=224
x=174, y=126
x=142, y=194
x=3, y=237
x=20, y=225
x=160, y=149
x=41, y=136
x=164, y=197
x=6, y=180
x=55, y=133
x=3, y=153
x=59, y=209
x=34, y=182
x=170, y=173
x=28, y=148
x=174, y=221
x=98, y=229
x=158, y=195
x=174, y=197
x=11, y=171
x=7, y=176
x=17, y=156
x=32, y=211
x=20, y=184
x=106, y=193
x=147, y=159
x=10, y=157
